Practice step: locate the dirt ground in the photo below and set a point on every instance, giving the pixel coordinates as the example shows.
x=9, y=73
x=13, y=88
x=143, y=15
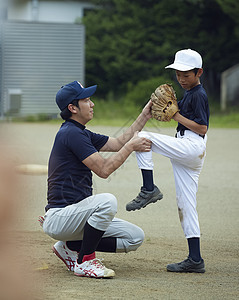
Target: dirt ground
x=141, y=274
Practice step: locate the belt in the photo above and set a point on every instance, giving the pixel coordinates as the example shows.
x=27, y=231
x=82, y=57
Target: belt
x=182, y=133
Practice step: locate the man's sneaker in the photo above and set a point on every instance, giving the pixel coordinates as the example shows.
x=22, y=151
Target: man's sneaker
x=144, y=198
x=93, y=268
x=187, y=266
x=68, y=256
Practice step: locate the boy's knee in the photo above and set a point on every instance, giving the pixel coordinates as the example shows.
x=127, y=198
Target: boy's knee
x=147, y=135
x=143, y=134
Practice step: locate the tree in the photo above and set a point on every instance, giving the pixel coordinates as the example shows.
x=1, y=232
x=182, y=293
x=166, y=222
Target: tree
x=130, y=41
x=231, y=8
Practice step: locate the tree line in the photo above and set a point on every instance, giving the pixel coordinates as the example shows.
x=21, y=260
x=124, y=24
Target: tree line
x=131, y=41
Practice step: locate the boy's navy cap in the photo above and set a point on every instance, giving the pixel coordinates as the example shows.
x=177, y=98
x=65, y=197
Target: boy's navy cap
x=73, y=91
x=186, y=60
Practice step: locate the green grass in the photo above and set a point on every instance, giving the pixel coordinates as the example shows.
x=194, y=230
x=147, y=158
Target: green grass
x=123, y=113
x=227, y=120
x=118, y=114
x=216, y=121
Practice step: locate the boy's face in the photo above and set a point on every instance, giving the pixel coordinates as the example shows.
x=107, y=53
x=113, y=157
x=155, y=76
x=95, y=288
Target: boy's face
x=188, y=79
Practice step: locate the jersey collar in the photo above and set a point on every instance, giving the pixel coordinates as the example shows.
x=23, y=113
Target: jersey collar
x=195, y=88
x=76, y=123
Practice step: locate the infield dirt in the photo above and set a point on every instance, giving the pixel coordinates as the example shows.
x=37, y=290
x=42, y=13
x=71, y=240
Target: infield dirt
x=141, y=274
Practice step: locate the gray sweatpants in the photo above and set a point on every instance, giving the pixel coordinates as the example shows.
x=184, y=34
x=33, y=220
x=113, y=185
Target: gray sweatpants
x=67, y=224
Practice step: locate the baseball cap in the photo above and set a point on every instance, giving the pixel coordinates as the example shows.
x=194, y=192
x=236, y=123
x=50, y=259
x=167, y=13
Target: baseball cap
x=73, y=91
x=186, y=60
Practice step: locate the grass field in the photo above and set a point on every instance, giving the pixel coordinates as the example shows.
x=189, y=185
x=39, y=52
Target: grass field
x=227, y=120
x=120, y=113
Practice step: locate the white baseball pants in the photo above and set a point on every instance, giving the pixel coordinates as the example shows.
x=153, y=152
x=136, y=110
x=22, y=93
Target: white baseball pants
x=67, y=224
x=187, y=154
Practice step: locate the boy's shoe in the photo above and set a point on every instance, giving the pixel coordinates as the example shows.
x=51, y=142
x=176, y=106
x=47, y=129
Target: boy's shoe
x=93, y=268
x=68, y=256
x=187, y=266
x=144, y=198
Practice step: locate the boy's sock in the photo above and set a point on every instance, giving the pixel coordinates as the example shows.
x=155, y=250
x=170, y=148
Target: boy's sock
x=91, y=239
x=148, y=182
x=194, y=249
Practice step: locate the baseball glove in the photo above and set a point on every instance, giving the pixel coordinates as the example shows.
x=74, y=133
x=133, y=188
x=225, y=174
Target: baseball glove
x=165, y=103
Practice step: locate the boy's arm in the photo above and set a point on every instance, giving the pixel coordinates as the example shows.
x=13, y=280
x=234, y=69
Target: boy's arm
x=115, y=144
x=198, y=128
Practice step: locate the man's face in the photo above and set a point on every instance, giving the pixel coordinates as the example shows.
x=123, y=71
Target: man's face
x=85, y=111
x=188, y=79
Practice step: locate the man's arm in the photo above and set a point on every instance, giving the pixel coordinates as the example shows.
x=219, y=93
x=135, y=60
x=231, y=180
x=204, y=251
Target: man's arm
x=103, y=167
x=115, y=144
x=198, y=128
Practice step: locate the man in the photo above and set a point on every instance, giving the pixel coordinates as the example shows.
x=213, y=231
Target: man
x=81, y=222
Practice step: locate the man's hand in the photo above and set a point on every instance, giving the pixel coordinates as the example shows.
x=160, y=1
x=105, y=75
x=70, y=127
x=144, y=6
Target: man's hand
x=115, y=144
x=103, y=167
x=139, y=144
x=146, y=112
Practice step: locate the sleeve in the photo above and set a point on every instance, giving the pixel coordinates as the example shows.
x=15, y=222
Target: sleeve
x=199, y=102
x=98, y=140
x=80, y=144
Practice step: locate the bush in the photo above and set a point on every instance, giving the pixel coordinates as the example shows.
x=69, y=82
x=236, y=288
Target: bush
x=140, y=93
x=41, y=117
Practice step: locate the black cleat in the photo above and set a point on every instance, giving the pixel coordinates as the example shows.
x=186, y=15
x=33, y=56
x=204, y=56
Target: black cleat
x=187, y=266
x=144, y=198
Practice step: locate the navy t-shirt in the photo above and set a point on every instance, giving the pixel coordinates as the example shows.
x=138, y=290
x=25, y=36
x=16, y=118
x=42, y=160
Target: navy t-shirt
x=69, y=180
x=194, y=106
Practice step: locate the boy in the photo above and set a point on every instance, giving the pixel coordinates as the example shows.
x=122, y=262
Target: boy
x=187, y=153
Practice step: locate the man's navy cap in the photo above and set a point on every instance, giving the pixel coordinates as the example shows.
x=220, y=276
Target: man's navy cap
x=73, y=91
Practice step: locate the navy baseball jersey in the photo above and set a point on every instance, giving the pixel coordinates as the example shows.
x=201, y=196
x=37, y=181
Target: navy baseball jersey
x=194, y=106
x=69, y=180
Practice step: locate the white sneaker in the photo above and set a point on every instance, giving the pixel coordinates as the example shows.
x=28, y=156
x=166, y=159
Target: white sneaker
x=93, y=268
x=68, y=256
